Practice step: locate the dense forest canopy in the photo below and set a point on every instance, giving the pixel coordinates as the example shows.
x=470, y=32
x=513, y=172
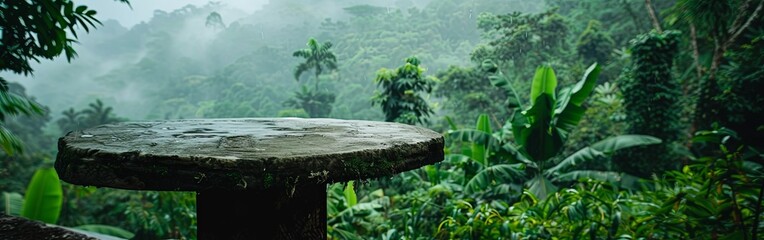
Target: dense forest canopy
x=563, y=118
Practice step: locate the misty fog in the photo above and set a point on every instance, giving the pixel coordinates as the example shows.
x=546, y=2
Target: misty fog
x=560, y=119
x=113, y=59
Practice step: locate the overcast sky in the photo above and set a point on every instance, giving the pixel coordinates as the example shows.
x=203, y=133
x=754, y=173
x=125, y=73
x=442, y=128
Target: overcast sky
x=143, y=9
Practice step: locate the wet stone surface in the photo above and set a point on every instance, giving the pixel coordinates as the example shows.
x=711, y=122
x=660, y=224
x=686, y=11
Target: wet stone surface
x=242, y=153
x=21, y=229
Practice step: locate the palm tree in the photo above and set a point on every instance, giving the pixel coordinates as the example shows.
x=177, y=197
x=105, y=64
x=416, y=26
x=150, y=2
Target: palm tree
x=318, y=57
x=98, y=114
x=70, y=121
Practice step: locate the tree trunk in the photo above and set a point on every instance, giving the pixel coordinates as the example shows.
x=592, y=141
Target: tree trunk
x=653, y=17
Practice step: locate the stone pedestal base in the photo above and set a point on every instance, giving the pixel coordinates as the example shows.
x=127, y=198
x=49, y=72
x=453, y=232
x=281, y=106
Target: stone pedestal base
x=276, y=213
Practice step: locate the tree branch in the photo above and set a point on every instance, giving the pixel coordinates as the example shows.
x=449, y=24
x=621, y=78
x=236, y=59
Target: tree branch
x=695, y=51
x=735, y=30
x=653, y=17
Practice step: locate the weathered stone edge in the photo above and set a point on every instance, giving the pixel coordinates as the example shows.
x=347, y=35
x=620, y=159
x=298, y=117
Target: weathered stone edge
x=136, y=171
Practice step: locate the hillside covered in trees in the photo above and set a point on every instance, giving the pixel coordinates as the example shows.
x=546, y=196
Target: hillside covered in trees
x=563, y=119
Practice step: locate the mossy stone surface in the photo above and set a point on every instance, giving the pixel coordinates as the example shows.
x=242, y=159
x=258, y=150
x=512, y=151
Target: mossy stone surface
x=241, y=153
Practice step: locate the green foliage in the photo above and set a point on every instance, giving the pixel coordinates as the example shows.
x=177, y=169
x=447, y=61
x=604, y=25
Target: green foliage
x=153, y=215
x=604, y=117
x=106, y=229
x=593, y=44
x=12, y=104
x=651, y=100
x=96, y=114
x=43, y=197
x=12, y=203
x=522, y=41
x=539, y=134
x=591, y=210
x=468, y=94
x=740, y=81
x=350, y=197
x=315, y=103
x=32, y=30
x=293, y=113
x=40, y=29
x=719, y=194
x=318, y=58
x=401, y=97
x=489, y=186
x=348, y=220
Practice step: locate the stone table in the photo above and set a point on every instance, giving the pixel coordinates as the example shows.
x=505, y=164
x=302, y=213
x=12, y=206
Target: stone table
x=246, y=171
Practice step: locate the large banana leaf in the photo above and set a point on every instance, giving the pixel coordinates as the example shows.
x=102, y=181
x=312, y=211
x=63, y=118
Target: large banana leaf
x=350, y=198
x=611, y=177
x=479, y=152
x=456, y=158
x=569, y=109
x=583, y=88
x=501, y=81
x=12, y=203
x=544, y=82
x=541, y=187
x=601, y=149
x=500, y=172
x=44, y=196
x=533, y=132
x=509, y=152
x=471, y=135
x=107, y=230
x=616, y=143
x=615, y=178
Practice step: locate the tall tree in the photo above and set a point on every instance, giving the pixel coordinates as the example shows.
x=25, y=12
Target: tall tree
x=723, y=23
x=651, y=98
x=401, y=98
x=318, y=57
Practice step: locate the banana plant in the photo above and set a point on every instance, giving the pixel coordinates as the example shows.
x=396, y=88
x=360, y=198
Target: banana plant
x=539, y=132
x=347, y=216
x=44, y=196
x=44, y=200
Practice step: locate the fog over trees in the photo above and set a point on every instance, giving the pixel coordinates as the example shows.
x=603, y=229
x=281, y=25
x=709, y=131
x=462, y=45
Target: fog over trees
x=563, y=119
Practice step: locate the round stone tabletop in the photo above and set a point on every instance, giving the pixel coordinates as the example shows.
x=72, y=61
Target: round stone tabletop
x=241, y=153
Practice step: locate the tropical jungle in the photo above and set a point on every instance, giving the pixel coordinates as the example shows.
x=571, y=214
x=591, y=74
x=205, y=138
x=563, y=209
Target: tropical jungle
x=562, y=119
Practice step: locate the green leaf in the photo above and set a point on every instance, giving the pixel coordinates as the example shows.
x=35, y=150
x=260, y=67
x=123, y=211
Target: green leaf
x=584, y=88
x=602, y=149
x=470, y=135
x=451, y=124
x=541, y=187
x=500, y=172
x=106, y=229
x=433, y=174
x=479, y=148
x=350, y=197
x=605, y=176
x=44, y=196
x=569, y=110
x=9, y=142
x=537, y=138
x=568, y=119
x=501, y=81
x=12, y=203
x=544, y=82
x=616, y=143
